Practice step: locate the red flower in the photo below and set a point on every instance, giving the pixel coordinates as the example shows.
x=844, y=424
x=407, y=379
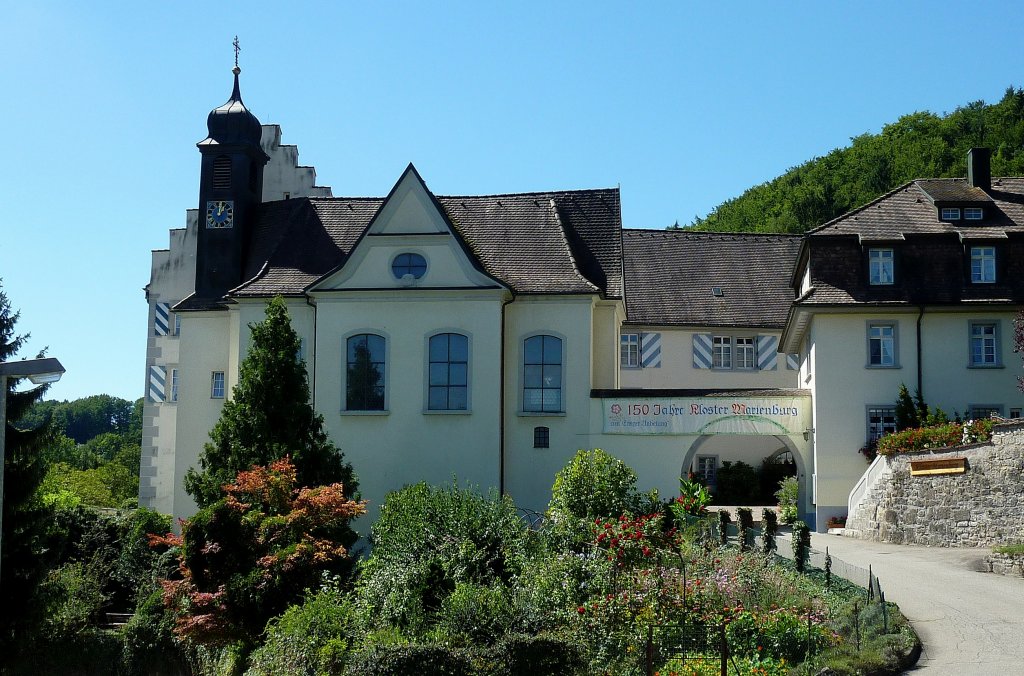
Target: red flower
x=581, y=610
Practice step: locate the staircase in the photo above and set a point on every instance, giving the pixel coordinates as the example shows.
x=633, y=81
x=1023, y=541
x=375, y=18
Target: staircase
x=863, y=501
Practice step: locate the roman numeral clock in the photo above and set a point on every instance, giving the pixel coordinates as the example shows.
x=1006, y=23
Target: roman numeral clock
x=220, y=214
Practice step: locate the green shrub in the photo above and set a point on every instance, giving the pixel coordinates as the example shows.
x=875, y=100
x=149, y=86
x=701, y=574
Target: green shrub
x=746, y=528
x=148, y=639
x=427, y=541
x=779, y=634
x=801, y=545
x=540, y=654
x=736, y=482
x=724, y=519
x=594, y=483
x=788, y=495
x=1012, y=550
x=477, y=613
x=769, y=527
x=308, y=639
x=402, y=660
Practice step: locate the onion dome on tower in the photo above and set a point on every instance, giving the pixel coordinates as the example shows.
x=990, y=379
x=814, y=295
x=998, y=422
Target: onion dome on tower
x=232, y=122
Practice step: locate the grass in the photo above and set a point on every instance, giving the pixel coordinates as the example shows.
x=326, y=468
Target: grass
x=1012, y=550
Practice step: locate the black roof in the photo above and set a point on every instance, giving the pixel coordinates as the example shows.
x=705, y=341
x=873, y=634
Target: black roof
x=671, y=275
x=564, y=242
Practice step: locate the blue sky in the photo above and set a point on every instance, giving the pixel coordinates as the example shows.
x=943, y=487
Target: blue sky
x=683, y=105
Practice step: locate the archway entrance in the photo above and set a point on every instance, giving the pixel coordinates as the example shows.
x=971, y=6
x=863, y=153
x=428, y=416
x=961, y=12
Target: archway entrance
x=743, y=470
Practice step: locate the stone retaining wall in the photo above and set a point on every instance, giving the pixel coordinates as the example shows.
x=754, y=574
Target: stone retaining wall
x=1005, y=564
x=981, y=507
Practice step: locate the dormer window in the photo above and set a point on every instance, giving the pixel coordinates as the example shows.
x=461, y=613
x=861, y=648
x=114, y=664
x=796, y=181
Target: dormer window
x=951, y=213
x=880, y=267
x=973, y=213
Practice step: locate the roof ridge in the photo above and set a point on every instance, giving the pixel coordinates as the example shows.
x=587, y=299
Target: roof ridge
x=861, y=208
x=532, y=193
x=708, y=233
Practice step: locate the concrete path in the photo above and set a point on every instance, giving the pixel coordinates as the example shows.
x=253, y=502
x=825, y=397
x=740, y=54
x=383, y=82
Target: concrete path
x=970, y=622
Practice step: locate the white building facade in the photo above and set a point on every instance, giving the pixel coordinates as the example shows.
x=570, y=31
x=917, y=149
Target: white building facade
x=487, y=338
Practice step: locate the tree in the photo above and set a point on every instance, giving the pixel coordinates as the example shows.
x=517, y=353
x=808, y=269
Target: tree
x=250, y=555
x=907, y=412
x=25, y=519
x=269, y=417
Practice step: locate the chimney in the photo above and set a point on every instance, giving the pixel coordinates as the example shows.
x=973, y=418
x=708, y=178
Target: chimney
x=979, y=170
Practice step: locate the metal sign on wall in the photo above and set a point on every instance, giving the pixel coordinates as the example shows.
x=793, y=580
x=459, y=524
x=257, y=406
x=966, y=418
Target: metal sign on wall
x=707, y=415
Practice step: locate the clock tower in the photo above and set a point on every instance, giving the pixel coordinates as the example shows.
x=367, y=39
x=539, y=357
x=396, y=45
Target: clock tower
x=230, y=192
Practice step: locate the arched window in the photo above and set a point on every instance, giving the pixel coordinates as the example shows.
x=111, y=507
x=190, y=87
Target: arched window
x=448, y=384
x=364, y=382
x=542, y=374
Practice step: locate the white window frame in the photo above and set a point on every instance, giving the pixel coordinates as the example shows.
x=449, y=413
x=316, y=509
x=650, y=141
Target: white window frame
x=973, y=213
x=745, y=357
x=629, y=350
x=881, y=420
x=383, y=368
x=983, y=265
x=721, y=353
x=544, y=408
x=950, y=214
x=448, y=386
x=702, y=473
x=880, y=262
x=173, y=394
x=876, y=332
x=216, y=393
x=984, y=334
x=176, y=325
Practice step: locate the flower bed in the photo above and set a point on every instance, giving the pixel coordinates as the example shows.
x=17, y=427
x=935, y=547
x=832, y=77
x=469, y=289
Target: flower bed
x=937, y=436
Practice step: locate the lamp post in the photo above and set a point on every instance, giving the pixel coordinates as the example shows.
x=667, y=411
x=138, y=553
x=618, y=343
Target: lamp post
x=40, y=372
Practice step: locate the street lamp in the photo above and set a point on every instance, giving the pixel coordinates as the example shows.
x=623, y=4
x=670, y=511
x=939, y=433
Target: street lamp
x=40, y=372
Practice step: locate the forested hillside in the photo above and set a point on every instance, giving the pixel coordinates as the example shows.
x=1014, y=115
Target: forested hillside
x=918, y=145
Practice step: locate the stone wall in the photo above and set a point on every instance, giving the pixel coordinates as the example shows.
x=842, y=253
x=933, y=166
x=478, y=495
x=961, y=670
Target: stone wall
x=983, y=506
x=1005, y=564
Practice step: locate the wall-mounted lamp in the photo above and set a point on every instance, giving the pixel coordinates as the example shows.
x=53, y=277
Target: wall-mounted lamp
x=807, y=433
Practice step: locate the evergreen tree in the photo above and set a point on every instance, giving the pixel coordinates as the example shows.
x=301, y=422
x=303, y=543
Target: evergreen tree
x=25, y=520
x=268, y=418
x=906, y=410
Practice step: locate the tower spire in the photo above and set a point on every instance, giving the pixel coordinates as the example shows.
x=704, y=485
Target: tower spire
x=236, y=70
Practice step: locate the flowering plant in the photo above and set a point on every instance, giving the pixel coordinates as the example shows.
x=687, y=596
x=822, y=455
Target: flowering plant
x=692, y=501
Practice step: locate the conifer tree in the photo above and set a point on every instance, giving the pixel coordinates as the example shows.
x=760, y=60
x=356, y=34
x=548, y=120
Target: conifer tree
x=907, y=416
x=269, y=417
x=25, y=520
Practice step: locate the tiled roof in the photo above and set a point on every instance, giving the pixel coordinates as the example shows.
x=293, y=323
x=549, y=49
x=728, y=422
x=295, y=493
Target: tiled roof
x=909, y=210
x=670, y=275
x=930, y=266
x=551, y=242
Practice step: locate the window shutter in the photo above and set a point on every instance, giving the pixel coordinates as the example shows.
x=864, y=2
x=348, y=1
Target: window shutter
x=767, y=353
x=650, y=344
x=161, y=318
x=157, y=382
x=702, y=350
x=793, y=362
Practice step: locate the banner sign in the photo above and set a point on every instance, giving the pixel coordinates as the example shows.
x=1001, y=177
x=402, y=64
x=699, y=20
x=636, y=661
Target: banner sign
x=707, y=415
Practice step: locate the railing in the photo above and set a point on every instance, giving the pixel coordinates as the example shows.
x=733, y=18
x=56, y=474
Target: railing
x=867, y=480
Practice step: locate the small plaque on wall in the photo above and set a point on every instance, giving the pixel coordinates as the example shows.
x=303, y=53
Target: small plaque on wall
x=941, y=466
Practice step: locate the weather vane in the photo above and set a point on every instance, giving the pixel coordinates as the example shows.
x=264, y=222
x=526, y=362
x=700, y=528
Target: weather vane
x=237, y=49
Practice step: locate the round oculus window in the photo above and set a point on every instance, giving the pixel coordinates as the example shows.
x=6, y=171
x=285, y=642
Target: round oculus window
x=408, y=264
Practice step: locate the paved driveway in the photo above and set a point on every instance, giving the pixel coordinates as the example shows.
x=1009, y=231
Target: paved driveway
x=971, y=623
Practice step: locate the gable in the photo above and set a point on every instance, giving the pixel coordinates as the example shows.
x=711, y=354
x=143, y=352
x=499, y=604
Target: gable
x=409, y=226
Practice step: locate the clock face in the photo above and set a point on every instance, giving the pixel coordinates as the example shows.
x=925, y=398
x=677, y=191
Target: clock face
x=220, y=214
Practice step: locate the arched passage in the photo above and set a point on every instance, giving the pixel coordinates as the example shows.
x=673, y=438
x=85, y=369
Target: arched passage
x=714, y=444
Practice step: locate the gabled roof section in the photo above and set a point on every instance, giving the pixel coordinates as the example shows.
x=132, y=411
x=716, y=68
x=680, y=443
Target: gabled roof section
x=949, y=191
x=671, y=278
x=563, y=242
